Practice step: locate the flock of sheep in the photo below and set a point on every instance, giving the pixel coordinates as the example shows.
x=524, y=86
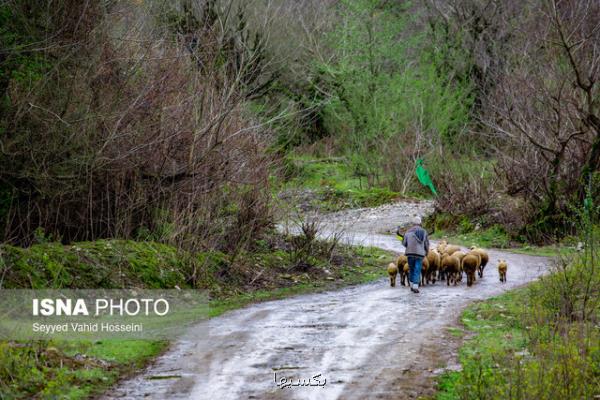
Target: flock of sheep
x=447, y=262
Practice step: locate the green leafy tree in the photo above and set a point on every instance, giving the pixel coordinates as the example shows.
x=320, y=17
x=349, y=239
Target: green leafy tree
x=386, y=91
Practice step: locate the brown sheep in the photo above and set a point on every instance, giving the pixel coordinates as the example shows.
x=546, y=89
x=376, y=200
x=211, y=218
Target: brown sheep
x=402, y=263
x=402, y=259
x=392, y=270
x=424, y=271
x=443, y=272
x=484, y=258
x=459, y=254
x=404, y=275
x=470, y=263
x=434, y=259
x=442, y=269
x=451, y=267
x=451, y=249
x=441, y=247
x=502, y=267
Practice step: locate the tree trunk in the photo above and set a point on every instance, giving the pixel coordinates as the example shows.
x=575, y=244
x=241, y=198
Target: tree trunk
x=593, y=162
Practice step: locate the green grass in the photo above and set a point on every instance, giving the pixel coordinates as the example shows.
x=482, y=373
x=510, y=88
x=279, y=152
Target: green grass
x=116, y=351
x=51, y=369
x=521, y=350
x=108, y=264
x=456, y=332
x=447, y=386
x=546, y=251
x=494, y=237
x=316, y=173
x=334, y=184
x=497, y=332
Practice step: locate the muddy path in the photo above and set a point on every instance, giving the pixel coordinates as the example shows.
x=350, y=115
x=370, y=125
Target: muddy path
x=368, y=342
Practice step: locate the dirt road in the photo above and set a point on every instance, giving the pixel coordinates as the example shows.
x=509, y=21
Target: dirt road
x=365, y=342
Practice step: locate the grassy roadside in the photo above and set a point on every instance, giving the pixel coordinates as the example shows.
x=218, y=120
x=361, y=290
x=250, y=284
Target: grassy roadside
x=372, y=269
x=493, y=237
x=275, y=268
x=496, y=332
x=496, y=237
x=512, y=353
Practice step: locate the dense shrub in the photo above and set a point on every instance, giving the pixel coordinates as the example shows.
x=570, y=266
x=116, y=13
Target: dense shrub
x=534, y=69
x=114, y=132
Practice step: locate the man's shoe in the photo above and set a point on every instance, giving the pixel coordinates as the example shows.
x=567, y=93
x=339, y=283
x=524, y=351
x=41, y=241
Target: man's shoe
x=412, y=289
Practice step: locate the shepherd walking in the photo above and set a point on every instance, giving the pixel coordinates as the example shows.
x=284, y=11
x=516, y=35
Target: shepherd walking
x=417, y=245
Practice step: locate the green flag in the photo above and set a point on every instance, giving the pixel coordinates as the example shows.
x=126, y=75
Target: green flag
x=423, y=176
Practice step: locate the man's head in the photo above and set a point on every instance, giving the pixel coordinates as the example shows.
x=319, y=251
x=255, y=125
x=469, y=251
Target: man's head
x=416, y=220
